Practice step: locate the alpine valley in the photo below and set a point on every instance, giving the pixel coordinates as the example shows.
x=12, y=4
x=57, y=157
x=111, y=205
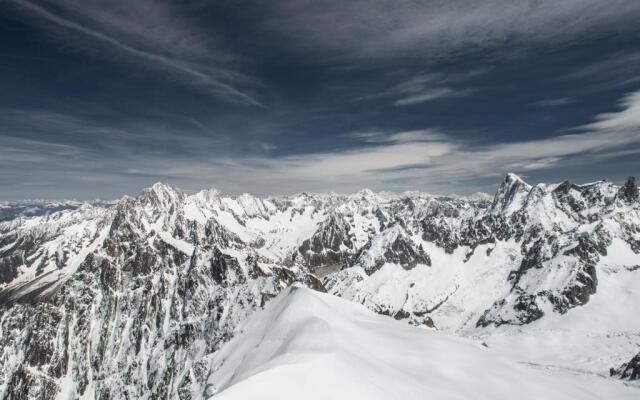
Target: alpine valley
x=171, y=295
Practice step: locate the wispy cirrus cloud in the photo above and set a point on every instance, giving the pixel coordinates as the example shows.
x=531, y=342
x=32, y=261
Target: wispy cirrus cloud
x=614, y=70
x=560, y=101
x=426, y=87
x=20, y=150
x=365, y=29
x=383, y=137
x=152, y=32
x=625, y=120
x=430, y=95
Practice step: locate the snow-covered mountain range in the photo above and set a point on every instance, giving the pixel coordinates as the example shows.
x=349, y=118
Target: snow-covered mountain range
x=137, y=298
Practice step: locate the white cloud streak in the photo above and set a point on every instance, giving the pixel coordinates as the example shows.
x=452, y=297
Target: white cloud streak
x=430, y=95
x=171, y=41
x=427, y=87
x=622, y=121
x=615, y=70
x=561, y=101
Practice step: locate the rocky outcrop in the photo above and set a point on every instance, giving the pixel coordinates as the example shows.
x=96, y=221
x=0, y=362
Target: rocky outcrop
x=511, y=195
x=629, y=191
x=628, y=371
x=332, y=244
x=392, y=246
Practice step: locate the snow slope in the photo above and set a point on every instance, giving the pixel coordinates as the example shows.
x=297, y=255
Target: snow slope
x=309, y=345
x=591, y=338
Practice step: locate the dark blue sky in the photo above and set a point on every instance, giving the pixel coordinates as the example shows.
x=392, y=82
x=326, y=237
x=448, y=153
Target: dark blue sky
x=102, y=98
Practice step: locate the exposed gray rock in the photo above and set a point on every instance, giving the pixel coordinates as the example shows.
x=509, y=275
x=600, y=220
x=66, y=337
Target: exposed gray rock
x=628, y=371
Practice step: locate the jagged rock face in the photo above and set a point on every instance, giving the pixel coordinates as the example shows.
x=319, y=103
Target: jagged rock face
x=126, y=333
x=629, y=370
x=510, y=195
x=138, y=317
x=629, y=191
x=131, y=300
x=392, y=246
x=562, y=231
x=332, y=244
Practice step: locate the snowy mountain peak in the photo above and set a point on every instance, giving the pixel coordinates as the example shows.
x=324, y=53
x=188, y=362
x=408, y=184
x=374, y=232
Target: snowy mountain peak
x=206, y=196
x=511, y=177
x=366, y=194
x=161, y=195
x=511, y=195
x=160, y=187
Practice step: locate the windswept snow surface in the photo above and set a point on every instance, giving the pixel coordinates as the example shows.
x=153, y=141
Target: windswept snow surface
x=309, y=345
